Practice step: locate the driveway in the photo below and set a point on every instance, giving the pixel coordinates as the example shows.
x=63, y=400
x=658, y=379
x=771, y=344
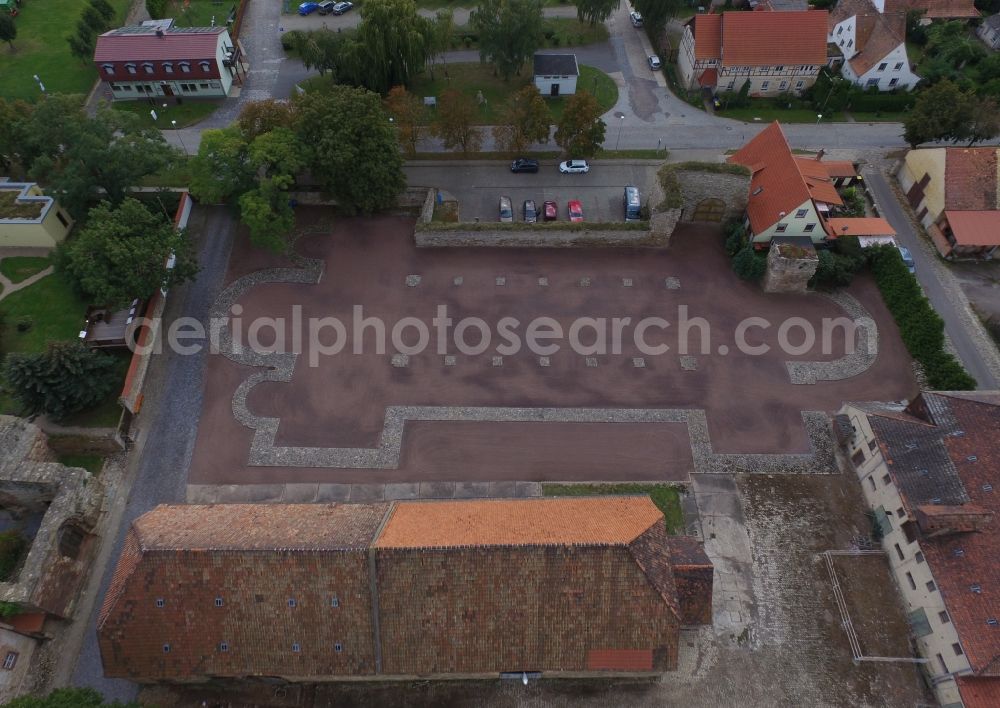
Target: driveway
x=478, y=186
x=932, y=280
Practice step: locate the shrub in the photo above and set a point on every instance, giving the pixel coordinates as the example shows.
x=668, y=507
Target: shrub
x=921, y=328
x=158, y=10
x=289, y=40
x=734, y=236
x=748, y=265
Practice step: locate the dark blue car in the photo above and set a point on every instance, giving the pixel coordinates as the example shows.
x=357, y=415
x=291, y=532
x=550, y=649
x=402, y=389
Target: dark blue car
x=308, y=7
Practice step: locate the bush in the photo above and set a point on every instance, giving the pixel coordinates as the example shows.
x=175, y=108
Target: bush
x=833, y=271
x=290, y=40
x=748, y=265
x=158, y=9
x=734, y=237
x=921, y=328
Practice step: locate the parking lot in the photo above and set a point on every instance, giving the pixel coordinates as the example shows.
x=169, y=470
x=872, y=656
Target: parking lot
x=478, y=186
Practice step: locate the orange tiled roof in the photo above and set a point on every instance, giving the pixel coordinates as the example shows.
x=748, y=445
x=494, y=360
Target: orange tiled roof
x=970, y=178
x=979, y=692
x=781, y=181
x=975, y=228
x=860, y=226
x=840, y=168
x=774, y=38
x=518, y=522
x=707, y=30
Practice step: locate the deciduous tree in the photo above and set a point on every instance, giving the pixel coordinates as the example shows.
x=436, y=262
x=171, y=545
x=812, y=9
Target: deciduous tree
x=657, y=13
x=64, y=379
x=594, y=11
x=580, y=131
x=940, y=113
x=8, y=29
x=353, y=152
x=259, y=117
x=221, y=169
x=279, y=152
x=455, y=122
x=122, y=254
x=396, y=43
x=510, y=31
x=268, y=215
x=408, y=116
x=525, y=120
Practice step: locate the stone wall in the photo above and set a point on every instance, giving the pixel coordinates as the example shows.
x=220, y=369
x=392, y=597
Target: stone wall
x=540, y=238
x=789, y=268
x=412, y=200
x=687, y=184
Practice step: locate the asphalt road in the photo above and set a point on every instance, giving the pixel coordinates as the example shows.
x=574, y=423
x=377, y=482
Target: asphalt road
x=943, y=303
x=169, y=425
x=478, y=186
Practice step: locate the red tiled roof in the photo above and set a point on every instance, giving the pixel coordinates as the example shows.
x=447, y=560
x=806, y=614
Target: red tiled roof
x=175, y=45
x=620, y=660
x=860, y=226
x=774, y=38
x=818, y=180
x=840, y=168
x=709, y=77
x=707, y=30
x=519, y=522
x=979, y=692
x=970, y=178
x=974, y=228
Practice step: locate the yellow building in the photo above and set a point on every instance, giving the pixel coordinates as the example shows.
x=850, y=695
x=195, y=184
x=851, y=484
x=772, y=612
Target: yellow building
x=29, y=219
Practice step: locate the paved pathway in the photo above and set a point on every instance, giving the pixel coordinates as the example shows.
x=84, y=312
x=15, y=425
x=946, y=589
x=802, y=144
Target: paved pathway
x=7, y=287
x=940, y=287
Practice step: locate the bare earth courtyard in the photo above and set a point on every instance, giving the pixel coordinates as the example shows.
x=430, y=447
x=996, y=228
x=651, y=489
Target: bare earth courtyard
x=376, y=418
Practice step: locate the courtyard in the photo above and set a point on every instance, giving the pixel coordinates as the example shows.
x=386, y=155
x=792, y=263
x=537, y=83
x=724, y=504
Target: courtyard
x=438, y=415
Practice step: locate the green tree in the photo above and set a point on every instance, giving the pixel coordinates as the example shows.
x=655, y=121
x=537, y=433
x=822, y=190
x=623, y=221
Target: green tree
x=221, y=169
x=122, y=254
x=440, y=36
x=12, y=142
x=353, y=151
x=92, y=18
x=525, y=120
x=396, y=43
x=408, y=116
x=268, y=215
x=321, y=49
x=594, y=11
x=8, y=29
x=104, y=9
x=748, y=265
x=455, y=122
x=68, y=698
x=656, y=13
x=278, y=152
x=510, y=31
x=580, y=131
x=259, y=117
x=984, y=120
x=64, y=379
x=942, y=112
x=81, y=44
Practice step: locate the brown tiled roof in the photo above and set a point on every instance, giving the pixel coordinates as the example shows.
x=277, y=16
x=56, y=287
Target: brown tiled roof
x=975, y=228
x=143, y=44
x=840, y=168
x=287, y=590
x=979, y=692
x=707, y=30
x=688, y=551
x=576, y=521
x=970, y=178
x=859, y=226
x=945, y=9
x=774, y=38
x=882, y=32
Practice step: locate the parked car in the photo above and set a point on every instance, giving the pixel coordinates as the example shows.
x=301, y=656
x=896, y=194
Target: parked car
x=550, y=211
x=636, y=18
x=654, y=62
x=530, y=211
x=575, y=209
x=326, y=7
x=907, y=257
x=341, y=7
x=523, y=164
x=307, y=8
x=574, y=166
x=632, y=203
x=506, y=211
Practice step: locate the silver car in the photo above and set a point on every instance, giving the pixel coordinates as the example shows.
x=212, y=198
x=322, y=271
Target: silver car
x=506, y=210
x=570, y=167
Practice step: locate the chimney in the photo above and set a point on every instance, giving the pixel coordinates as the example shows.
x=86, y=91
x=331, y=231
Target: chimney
x=159, y=33
x=819, y=155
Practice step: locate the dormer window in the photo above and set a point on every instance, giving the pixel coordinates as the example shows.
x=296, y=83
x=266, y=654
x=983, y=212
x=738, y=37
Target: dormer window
x=204, y=66
x=130, y=68
x=109, y=69
x=185, y=67
x=147, y=67
x=168, y=68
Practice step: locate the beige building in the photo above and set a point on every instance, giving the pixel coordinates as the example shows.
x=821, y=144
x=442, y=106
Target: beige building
x=29, y=219
x=927, y=471
x=777, y=52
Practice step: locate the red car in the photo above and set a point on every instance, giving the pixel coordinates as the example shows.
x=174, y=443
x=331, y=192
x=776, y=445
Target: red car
x=550, y=210
x=575, y=210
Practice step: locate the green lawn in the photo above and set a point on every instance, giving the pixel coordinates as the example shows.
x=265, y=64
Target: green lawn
x=666, y=497
x=41, y=48
x=470, y=78
x=768, y=112
x=187, y=113
x=55, y=312
x=91, y=463
x=557, y=31
x=199, y=13
x=18, y=268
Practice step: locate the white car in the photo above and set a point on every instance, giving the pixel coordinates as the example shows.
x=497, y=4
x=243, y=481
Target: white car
x=654, y=62
x=636, y=18
x=574, y=167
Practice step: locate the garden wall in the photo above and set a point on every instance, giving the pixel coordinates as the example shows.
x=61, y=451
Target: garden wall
x=499, y=236
x=689, y=186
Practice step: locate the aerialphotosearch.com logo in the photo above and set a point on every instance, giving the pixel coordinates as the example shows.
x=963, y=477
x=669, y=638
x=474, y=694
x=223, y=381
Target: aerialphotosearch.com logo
x=321, y=337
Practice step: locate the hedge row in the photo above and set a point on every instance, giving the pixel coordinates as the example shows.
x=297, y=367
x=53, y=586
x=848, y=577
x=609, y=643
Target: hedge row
x=920, y=326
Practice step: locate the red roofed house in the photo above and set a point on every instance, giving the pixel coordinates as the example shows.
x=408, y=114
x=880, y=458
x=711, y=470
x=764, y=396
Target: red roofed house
x=155, y=61
x=871, y=34
x=792, y=195
x=930, y=472
x=955, y=193
x=314, y=592
x=776, y=52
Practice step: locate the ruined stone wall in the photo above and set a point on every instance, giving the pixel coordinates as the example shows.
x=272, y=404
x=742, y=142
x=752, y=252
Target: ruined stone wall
x=540, y=238
x=789, y=268
x=697, y=186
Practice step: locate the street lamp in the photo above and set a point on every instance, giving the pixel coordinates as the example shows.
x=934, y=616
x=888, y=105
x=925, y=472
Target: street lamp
x=179, y=139
x=40, y=84
x=819, y=117
x=621, y=123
